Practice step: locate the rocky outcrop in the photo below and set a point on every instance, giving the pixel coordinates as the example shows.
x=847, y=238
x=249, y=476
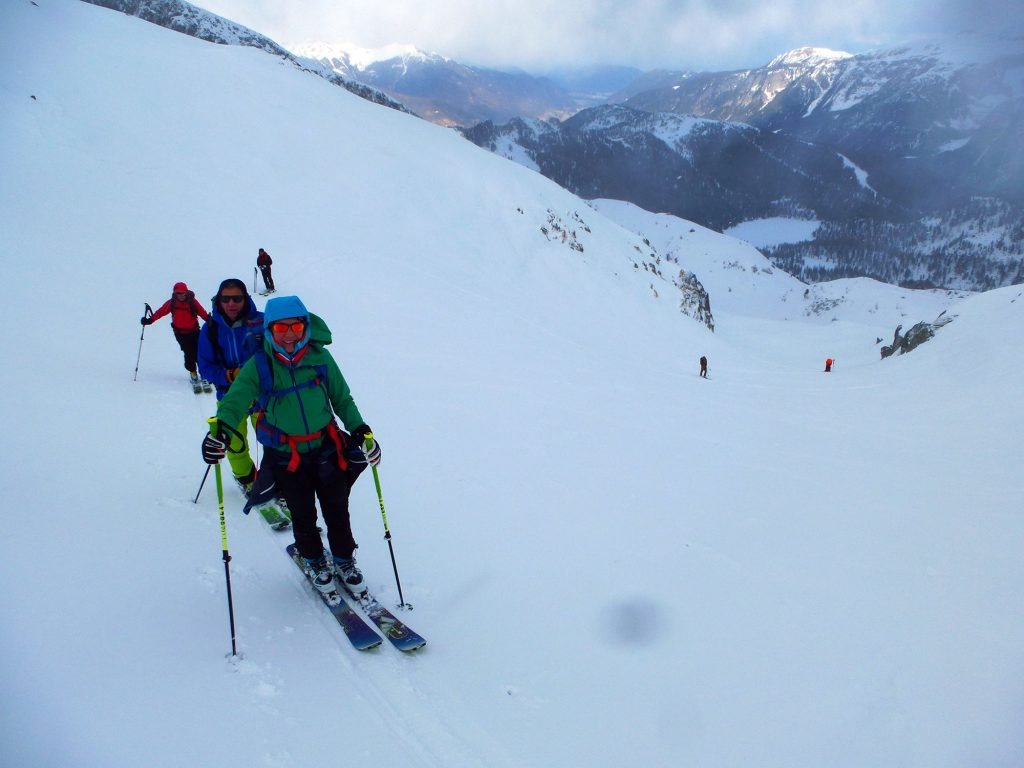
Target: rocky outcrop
x=695, y=301
x=915, y=337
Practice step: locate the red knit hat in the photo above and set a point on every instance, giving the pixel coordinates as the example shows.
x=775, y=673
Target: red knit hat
x=180, y=288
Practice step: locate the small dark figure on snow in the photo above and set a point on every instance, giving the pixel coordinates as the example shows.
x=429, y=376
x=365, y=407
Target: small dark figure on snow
x=263, y=261
x=828, y=365
x=703, y=366
x=184, y=311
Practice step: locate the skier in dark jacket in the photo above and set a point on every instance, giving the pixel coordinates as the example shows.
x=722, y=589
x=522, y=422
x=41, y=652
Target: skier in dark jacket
x=263, y=261
x=703, y=366
x=229, y=338
x=184, y=311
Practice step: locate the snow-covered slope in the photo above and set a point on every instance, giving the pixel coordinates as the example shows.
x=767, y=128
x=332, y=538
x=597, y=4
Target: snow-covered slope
x=742, y=281
x=614, y=562
x=190, y=19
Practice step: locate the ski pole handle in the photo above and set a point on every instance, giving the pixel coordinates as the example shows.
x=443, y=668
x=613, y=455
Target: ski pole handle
x=212, y=422
x=147, y=313
x=367, y=447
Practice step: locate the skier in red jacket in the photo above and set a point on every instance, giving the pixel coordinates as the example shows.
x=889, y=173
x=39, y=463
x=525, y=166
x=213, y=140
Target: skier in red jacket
x=184, y=310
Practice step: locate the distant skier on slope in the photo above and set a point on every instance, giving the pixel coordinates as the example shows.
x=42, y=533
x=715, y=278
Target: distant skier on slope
x=828, y=365
x=298, y=389
x=703, y=367
x=264, y=262
x=184, y=311
x=232, y=335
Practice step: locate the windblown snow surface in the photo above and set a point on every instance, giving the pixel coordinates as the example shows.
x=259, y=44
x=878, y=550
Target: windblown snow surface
x=614, y=562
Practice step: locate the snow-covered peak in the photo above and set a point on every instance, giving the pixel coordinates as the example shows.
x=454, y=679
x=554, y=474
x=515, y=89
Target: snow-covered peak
x=360, y=58
x=808, y=56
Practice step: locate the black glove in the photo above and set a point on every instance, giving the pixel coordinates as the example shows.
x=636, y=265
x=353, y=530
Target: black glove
x=214, y=447
x=373, y=455
x=359, y=435
x=146, y=320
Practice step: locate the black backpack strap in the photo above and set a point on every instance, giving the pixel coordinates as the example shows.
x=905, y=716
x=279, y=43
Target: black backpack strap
x=213, y=334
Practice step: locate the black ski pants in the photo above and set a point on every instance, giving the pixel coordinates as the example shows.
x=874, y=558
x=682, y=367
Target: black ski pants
x=318, y=478
x=189, y=343
x=267, y=279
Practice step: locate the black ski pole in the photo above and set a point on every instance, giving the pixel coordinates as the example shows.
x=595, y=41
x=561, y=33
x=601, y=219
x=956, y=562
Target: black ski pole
x=205, y=475
x=254, y=279
x=147, y=313
x=368, y=444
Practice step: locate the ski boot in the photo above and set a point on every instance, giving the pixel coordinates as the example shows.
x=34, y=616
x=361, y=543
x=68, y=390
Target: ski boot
x=322, y=578
x=246, y=483
x=350, y=576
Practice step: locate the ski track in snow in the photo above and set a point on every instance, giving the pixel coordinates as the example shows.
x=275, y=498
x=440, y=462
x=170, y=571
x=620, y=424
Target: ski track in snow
x=381, y=682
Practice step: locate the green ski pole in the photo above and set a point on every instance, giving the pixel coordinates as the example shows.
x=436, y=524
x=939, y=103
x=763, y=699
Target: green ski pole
x=224, y=540
x=368, y=445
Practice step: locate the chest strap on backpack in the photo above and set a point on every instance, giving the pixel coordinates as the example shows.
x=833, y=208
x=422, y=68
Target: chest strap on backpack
x=292, y=442
x=272, y=437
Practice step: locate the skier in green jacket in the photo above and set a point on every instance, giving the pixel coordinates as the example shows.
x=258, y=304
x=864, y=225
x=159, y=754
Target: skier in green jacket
x=298, y=390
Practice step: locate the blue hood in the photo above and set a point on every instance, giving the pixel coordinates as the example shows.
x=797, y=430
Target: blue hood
x=282, y=307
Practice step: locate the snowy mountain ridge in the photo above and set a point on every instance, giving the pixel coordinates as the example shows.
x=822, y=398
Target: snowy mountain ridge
x=442, y=90
x=912, y=151
x=351, y=60
x=808, y=56
x=191, y=20
x=695, y=168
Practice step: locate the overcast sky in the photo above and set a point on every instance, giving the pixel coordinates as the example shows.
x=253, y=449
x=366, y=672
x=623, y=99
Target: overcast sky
x=537, y=35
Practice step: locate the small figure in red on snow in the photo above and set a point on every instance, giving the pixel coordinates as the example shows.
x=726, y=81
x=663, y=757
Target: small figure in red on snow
x=184, y=310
